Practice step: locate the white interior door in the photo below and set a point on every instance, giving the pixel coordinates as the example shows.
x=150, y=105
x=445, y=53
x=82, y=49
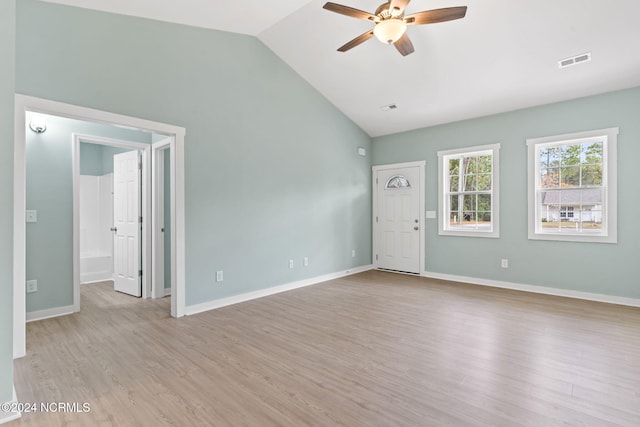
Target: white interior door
x=398, y=219
x=127, y=225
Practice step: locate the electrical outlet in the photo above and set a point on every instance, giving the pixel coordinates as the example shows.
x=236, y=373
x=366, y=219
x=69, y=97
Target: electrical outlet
x=32, y=286
x=219, y=276
x=305, y=261
x=290, y=263
x=31, y=216
x=353, y=253
x=504, y=263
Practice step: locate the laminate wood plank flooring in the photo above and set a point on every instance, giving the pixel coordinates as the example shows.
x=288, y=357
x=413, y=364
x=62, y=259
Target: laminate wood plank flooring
x=372, y=349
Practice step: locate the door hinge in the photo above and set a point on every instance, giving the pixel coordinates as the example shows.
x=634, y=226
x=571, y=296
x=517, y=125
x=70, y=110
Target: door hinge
x=140, y=273
x=376, y=219
x=376, y=257
x=140, y=165
x=140, y=220
x=376, y=180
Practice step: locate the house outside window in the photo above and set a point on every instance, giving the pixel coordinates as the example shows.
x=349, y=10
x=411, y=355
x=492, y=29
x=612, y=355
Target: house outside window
x=572, y=187
x=468, y=193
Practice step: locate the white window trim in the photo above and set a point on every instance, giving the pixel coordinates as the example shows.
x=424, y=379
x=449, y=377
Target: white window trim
x=495, y=196
x=610, y=161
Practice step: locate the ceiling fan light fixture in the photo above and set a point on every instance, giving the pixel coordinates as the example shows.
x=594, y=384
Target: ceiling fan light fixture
x=391, y=22
x=389, y=31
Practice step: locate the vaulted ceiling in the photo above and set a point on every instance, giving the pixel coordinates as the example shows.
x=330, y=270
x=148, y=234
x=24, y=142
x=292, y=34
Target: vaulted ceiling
x=502, y=56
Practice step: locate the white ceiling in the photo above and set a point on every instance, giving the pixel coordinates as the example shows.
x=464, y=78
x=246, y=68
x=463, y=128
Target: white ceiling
x=502, y=56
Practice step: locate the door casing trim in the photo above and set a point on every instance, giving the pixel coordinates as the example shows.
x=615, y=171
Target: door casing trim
x=24, y=103
x=158, y=215
x=145, y=237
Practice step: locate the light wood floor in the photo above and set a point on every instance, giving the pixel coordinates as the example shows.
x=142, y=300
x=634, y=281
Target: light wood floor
x=374, y=349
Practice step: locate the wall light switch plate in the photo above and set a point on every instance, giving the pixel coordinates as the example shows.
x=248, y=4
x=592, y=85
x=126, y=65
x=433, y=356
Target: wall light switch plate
x=290, y=263
x=305, y=261
x=219, y=276
x=31, y=216
x=362, y=151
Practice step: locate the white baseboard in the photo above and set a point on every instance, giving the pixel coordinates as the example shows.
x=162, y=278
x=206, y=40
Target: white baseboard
x=223, y=302
x=108, y=279
x=87, y=278
x=610, y=299
x=167, y=292
x=49, y=313
x=5, y=417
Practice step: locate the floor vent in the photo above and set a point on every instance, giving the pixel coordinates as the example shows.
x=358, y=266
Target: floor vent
x=578, y=59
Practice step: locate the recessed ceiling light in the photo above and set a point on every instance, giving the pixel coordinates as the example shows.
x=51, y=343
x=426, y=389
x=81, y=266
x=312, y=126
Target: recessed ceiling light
x=573, y=60
x=389, y=107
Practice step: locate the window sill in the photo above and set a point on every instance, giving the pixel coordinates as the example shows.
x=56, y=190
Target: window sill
x=585, y=238
x=461, y=233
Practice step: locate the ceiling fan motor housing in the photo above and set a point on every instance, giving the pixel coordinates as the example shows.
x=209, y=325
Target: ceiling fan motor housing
x=383, y=11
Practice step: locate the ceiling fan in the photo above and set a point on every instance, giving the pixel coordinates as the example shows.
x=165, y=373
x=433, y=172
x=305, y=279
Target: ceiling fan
x=391, y=22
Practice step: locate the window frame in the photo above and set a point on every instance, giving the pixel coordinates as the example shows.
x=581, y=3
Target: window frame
x=443, y=193
x=609, y=232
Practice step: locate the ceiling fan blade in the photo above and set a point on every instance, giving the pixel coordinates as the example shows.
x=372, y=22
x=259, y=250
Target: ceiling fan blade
x=400, y=5
x=436, y=15
x=355, y=42
x=349, y=11
x=404, y=45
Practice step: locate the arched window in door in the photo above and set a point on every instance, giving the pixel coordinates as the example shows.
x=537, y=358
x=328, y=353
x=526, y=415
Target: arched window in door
x=397, y=181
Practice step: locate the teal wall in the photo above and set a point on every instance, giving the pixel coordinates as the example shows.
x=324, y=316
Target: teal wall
x=97, y=160
x=49, y=251
x=7, y=78
x=271, y=167
x=611, y=269
x=90, y=159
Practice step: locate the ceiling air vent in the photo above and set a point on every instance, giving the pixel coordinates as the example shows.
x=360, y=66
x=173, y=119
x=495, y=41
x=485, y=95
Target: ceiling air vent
x=578, y=59
x=389, y=107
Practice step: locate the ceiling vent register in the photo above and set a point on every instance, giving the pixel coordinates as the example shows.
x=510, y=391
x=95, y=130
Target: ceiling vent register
x=574, y=60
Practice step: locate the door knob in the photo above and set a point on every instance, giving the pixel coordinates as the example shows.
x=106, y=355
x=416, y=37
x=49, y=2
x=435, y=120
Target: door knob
x=416, y=228
x=114, y=229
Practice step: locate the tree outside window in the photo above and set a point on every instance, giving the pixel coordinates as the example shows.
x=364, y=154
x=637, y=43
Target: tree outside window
x=468, y=193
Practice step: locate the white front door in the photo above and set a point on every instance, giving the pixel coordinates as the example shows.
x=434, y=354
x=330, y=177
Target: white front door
x=397, y=223
x=127, y=225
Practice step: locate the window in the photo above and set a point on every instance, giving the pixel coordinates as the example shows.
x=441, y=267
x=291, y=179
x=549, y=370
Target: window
x=397, y=181
x=566, y=212
x=468, y=196
x=572, y=187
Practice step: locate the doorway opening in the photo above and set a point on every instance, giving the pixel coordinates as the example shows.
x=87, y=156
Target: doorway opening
x=174, y=135
x=108, y=214
x=163, y=210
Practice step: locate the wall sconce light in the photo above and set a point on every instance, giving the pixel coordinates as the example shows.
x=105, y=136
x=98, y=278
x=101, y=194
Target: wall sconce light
x=38, y=125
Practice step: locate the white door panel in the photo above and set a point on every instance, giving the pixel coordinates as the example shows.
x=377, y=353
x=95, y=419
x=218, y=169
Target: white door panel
x=126, y=210
x=398, y=224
